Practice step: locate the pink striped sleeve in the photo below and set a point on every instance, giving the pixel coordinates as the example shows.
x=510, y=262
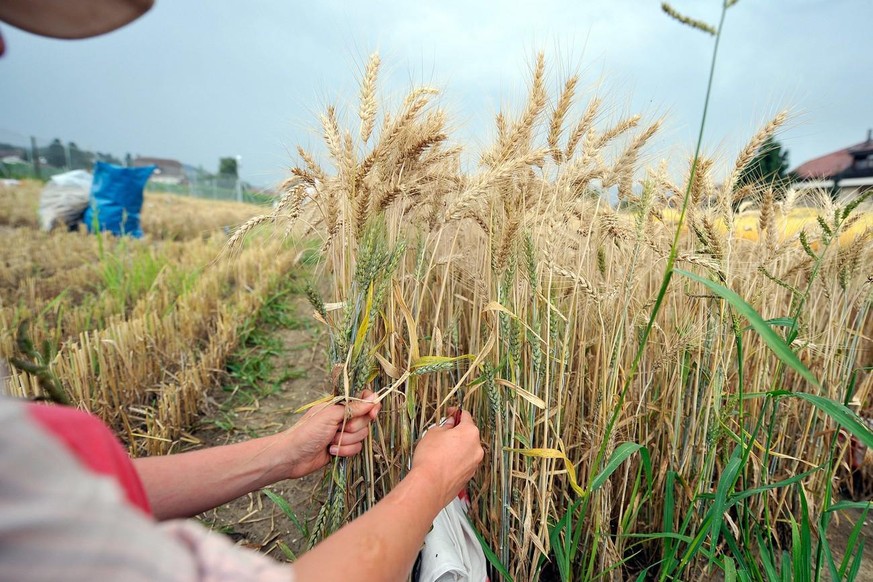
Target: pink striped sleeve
x=59, y=521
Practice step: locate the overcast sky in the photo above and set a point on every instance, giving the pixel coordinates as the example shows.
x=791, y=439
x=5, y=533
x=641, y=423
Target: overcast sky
x=195, y=80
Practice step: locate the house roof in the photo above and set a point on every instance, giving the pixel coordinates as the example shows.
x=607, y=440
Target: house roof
x=862, y=148
x=825, y=166
x=829, y=165
x=167, y=166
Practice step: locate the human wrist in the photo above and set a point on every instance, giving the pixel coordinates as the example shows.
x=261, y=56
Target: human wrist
x=281, y=457
x=434, y=481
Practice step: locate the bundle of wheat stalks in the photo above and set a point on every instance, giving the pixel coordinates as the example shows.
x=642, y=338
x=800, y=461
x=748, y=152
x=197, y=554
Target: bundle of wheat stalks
x=520, y=293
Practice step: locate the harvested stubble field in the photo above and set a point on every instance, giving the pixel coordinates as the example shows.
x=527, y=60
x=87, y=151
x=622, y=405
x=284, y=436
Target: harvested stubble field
x=656, y=402
x=135, y=331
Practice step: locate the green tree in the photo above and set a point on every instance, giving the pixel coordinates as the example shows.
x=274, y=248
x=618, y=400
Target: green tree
x=80, y=159
x=109, y=158
x=55, y=155
x=768, y=167
x=227, y=167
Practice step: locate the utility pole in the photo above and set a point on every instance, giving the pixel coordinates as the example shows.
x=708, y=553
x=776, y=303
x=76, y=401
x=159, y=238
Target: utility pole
x=239, y=196
x=34, y=156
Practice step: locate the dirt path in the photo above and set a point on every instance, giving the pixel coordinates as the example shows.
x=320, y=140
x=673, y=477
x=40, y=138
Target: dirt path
x=296, y=353
x=839, y=533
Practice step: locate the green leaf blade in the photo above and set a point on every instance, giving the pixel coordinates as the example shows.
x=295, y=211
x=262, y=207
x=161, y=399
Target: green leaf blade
x=764, y=329
x=621, y=453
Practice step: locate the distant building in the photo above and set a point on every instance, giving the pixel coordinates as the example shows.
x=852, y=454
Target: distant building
x=8, y=152
x=167, y=171
x=195, y=174
x=845, y=173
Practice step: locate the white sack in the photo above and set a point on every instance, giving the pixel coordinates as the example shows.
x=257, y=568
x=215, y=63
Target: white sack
x=451, y=550
x=64, y=199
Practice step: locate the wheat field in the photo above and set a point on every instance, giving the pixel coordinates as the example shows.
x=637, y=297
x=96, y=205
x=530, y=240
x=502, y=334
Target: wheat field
x=521, y=293
x=655, y=402
x=135, y=331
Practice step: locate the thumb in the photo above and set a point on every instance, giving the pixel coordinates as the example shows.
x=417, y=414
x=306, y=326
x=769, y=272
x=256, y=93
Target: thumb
x=362, y=407
x=447, y=422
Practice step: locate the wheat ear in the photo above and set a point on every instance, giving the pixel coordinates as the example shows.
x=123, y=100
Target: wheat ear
x=311, y=165
x=332, y=136
x=556, y=127
x=752, y=148
x=367, y=111
x=582, y=127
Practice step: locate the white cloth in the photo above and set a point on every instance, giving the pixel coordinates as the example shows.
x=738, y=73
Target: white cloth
x=64, y=199
x=451, y=550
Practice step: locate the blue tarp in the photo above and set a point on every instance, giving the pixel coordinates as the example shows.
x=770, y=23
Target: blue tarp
x=116, y=199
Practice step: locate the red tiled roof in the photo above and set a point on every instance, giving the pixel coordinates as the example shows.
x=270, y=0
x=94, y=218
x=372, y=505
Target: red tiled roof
x=831, y=164
x=825, y=166
x=163, y=162
x=167, y=166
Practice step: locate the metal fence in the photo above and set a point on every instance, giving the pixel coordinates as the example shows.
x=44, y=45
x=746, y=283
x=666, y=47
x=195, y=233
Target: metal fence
x=23, y=156
x=40, y=158
x=215, y=187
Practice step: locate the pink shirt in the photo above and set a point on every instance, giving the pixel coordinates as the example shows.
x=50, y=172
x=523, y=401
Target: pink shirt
x=93, y=444
x=71, y=510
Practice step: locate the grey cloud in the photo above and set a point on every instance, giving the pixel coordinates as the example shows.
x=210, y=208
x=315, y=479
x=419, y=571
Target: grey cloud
x=198, y=80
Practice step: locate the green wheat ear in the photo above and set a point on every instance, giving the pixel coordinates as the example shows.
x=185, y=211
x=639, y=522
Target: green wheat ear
x=30, y=360
x=316, y=301
x=688, y=21
x=807, y=248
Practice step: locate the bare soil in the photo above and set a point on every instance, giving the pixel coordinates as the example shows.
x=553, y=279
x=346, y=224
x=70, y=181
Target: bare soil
x=254, y=520
x=838, y=534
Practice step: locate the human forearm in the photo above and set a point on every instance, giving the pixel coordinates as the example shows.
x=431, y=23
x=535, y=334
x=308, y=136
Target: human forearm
x=381, y=544
x=189, y=483
x=186, y=484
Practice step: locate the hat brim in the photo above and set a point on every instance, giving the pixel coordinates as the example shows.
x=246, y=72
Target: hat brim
x=71, y=19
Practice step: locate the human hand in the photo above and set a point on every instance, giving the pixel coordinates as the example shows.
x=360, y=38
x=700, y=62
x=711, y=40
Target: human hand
x=449, y=454
x=325, y=431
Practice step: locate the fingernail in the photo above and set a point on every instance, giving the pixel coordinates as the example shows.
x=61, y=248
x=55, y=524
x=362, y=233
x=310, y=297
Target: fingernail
x=370, y=398
x=333, y=449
